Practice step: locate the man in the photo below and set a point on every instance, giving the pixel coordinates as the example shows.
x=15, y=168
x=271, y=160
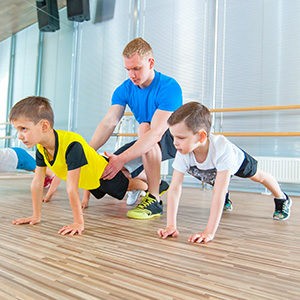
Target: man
x=152, y=97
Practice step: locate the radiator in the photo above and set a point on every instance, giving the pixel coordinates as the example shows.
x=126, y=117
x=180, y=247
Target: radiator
x=164, y=168
x=284, y=169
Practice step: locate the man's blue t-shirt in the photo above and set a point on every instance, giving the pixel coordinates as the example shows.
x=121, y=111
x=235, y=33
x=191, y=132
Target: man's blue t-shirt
x=163, y=93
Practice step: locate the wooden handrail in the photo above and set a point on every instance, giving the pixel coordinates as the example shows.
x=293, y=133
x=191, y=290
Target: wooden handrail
x=242, y=134
x=125, y=134
x=232, y=109
x=249, y=108
x=255, y=108
x=239, y=109
x=257, y=133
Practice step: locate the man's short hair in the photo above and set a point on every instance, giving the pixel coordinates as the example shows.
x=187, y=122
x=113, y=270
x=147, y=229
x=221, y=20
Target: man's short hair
x=139, y=46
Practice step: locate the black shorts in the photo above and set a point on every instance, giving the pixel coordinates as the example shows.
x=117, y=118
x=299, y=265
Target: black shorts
x=248, y=167
x=167, y=147
x=116, y=187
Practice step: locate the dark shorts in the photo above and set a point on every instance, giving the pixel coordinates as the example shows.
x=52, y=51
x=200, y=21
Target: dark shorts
x=116, y=187
x=168, y=150
x=248, y=167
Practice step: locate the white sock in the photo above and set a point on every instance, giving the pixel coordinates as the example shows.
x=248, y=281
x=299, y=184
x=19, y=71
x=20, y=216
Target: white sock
x=283, y=196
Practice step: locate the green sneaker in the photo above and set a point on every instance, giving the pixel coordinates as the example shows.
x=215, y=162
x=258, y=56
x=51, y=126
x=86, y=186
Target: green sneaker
x=228, y=204
x=282, y=208
x=148, y=208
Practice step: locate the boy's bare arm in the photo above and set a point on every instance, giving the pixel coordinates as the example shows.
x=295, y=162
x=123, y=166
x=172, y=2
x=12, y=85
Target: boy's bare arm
x=85, y=199
x=36, y=196
x=52, y=189
x=216, y=209
x=73, y=193
x=174, y=194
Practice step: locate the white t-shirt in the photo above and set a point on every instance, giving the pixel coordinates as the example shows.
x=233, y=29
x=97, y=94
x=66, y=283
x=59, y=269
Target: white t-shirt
x=8, y=160
x=222, y=155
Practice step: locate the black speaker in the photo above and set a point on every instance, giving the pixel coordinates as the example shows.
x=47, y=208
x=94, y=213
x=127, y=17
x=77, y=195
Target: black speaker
x=47, y=13
x=78, y=10
x=103, y=10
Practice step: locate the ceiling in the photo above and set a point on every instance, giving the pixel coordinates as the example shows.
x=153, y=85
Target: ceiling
x=16, y=15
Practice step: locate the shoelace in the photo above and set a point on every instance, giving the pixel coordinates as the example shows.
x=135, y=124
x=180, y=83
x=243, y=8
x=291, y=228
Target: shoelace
x=285, y=205
x=146, y=201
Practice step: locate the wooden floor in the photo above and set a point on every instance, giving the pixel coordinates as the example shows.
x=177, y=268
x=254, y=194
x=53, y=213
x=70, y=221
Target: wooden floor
x=252, y=256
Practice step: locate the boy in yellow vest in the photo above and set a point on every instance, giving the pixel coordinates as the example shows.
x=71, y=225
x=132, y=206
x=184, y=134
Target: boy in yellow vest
x=69, y=156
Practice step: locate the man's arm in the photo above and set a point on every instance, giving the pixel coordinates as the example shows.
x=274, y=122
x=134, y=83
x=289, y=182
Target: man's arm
x=106, y=127
x=144, y=143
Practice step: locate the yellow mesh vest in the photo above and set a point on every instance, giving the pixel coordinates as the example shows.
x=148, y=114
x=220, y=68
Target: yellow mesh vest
x=90, y=173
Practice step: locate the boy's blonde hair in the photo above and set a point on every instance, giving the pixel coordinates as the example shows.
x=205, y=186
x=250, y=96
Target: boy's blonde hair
x=195, y=116
x=33, y=108
x=139, y=46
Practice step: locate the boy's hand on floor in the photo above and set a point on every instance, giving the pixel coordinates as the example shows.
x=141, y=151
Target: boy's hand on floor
x=201, y=237
x=72, y=229
x=29, y=220
x=85, y=203
x=169, y=231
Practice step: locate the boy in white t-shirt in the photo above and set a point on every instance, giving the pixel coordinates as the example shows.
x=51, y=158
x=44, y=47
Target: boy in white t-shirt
x=212, y=159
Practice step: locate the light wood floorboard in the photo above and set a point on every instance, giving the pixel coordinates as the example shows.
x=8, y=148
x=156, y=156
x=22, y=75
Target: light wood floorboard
x=252, y=256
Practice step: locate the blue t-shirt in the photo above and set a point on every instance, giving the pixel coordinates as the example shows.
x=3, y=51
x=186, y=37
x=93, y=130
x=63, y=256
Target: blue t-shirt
x=163, y=93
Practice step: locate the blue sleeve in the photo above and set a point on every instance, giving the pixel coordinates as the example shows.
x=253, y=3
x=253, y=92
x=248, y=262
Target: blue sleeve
x=170, y=96
x=120, y=95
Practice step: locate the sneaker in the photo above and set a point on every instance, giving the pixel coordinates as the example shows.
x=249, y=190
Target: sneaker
x=163, y=187
x=228, y=204
x=48, y=181
x=147, y=209
x=133, y=196
x=282, y=208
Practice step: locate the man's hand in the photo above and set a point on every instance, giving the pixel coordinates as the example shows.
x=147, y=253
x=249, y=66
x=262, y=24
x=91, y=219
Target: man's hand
x=169, y=231
x=114, y=166
x=29, y=220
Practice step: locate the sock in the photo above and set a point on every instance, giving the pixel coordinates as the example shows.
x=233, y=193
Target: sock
x=283, y=196
x=151, y=196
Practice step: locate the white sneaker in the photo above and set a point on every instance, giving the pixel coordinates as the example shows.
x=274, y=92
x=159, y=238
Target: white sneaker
x=133, y=196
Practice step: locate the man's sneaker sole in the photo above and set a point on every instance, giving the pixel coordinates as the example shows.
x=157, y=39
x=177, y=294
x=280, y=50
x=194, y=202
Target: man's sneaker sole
x=142, y=216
